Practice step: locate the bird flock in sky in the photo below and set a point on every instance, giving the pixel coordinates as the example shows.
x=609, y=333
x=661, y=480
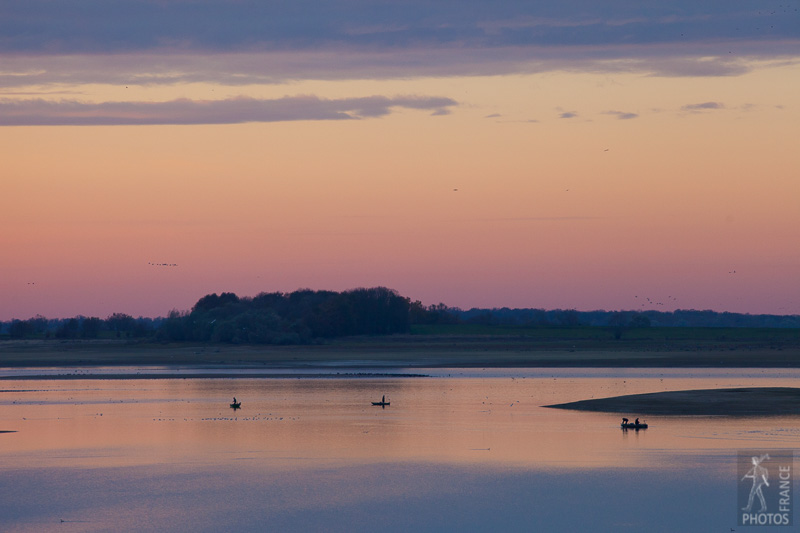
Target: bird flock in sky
x=652, y=302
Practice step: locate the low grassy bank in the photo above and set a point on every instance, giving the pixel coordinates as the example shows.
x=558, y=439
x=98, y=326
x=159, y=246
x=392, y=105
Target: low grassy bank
x=621, y=335
x=458, y=346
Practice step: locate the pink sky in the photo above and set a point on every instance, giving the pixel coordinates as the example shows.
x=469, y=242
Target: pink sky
x=574, y=182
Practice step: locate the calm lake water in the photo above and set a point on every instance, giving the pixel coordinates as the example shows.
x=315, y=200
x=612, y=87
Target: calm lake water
x=461, y=450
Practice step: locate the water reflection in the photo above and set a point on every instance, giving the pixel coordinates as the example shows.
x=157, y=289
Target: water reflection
x=329, y=448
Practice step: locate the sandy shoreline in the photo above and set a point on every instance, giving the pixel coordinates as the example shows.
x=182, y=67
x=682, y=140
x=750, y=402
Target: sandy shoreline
x=750, y=401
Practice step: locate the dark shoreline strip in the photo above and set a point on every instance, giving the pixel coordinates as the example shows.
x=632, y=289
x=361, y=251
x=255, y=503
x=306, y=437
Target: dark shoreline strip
x=750, y=401
x=357, y=375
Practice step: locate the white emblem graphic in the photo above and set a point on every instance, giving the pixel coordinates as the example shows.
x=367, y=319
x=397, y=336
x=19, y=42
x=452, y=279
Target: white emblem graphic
x=759, y=475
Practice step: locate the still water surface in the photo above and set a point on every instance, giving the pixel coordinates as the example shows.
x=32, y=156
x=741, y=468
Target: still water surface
x=461, y=450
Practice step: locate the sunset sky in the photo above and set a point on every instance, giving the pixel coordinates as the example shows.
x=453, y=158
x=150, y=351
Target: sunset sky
x=572, y=154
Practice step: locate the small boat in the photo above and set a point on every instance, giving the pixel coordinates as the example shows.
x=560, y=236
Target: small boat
x=236, y=405
x=632, y=425
x=382, y=403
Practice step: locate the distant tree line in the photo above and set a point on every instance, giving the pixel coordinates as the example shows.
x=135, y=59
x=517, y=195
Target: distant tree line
x=300, y=317
x=118, y=325
x=677, y=318
x=307, y=316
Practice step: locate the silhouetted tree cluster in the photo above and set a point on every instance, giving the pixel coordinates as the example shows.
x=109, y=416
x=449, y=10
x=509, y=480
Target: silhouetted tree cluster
x=33, y=327
x=289, y=318
x=433, y=314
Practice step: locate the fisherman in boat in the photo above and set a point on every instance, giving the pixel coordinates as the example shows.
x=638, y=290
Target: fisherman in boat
x=234, y=399
x=624, y=421
x=637, y=422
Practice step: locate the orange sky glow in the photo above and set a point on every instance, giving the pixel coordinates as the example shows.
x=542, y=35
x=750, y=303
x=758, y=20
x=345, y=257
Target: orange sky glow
x=559, y=187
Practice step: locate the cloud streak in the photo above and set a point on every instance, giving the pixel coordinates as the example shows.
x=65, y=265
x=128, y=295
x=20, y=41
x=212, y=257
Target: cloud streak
x=704, y=106
x=622, y=115
x=275, y=67
x=39, y=112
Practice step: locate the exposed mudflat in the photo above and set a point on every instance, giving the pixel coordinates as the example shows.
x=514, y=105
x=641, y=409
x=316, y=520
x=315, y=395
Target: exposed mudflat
x=765, y=401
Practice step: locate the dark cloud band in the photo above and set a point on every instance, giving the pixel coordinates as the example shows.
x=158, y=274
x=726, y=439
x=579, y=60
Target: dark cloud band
x=144, y=42
x=208, y=26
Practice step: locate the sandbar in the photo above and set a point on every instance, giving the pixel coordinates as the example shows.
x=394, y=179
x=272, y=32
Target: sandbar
x=749, y=401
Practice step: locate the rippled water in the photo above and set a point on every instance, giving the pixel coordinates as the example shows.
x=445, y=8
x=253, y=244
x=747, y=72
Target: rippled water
x=461, y=450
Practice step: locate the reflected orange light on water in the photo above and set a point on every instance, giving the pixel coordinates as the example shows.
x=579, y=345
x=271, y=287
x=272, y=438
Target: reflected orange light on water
x=289, y=423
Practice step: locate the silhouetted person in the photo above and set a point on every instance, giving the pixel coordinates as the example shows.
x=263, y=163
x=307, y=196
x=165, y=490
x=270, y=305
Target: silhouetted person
x=624, y=421
x=637, y=422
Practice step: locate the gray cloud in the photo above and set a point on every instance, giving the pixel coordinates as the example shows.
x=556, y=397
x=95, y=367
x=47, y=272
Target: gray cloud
x=568, y=114
x=702, y=106
x=622, y=115
x=39, y=112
